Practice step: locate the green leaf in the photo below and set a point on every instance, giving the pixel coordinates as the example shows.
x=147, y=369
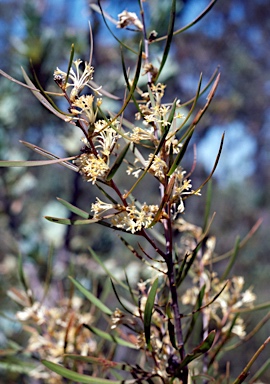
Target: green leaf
x=59, y=220
x=195, y=21
x=232, y=259
x=33, y=163
x=117, y=163
x=107, y=271
x=107, y=336
x=49, y=155
x=100, y=361
x=208, y=204
x=94, y=300
x=264, y=369
x=23, y=279
x=43, y=100
x=132, y=89
x=70, y=62
x=105, y=22
x=194, y=318
x=181, y=153
x=16, y=365
x=169, y=38
x=198, y=351
x=72, y=208
x=120, y=300
x=148, y=312
x=78, y=377
x=215, y=165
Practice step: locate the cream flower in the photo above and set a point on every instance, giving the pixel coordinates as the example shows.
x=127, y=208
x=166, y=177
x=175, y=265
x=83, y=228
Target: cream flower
x=85, y=103
x=158, y=167
x=79, y=81
x=92, y=167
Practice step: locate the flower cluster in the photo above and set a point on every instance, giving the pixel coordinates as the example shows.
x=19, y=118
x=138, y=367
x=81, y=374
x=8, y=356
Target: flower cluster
x=55, y=331
x=129, y=217
x=226, y=297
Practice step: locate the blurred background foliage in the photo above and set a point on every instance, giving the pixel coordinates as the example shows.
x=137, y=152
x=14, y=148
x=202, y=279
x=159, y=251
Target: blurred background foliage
x=234, y=36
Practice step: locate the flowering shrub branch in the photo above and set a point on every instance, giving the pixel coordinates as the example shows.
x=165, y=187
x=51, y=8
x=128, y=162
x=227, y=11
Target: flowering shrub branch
x=179, y=333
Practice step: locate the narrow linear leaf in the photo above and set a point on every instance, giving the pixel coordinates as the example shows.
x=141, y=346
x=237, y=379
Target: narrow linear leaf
x=245, y=371
x=107, y=336
x=135, y=300
x=117, y=163
x=111, y=32
x=120, y=301
x=23, y=279
x=44, y=101
x=149, y=311
x=194, y=102
x=208, y=204
x=100, y=361
x=10, y=78
x=107, y=271
x=59, y=220
x=195, y=21
x=253, y=309
x=181, y=153
x=49, y=155
x=44, y=94
x=132, y=89
x=125, y=73
x=33, y=163
x=264, y=368
x=70, y=62
x=198, y=351
x=64, y=221
x=214, y=167
x=232, y=259
x=78, y=377
x=169, y=38
x=72, y=208
x=89, y=295
x=194, y=318
x=205, y=88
